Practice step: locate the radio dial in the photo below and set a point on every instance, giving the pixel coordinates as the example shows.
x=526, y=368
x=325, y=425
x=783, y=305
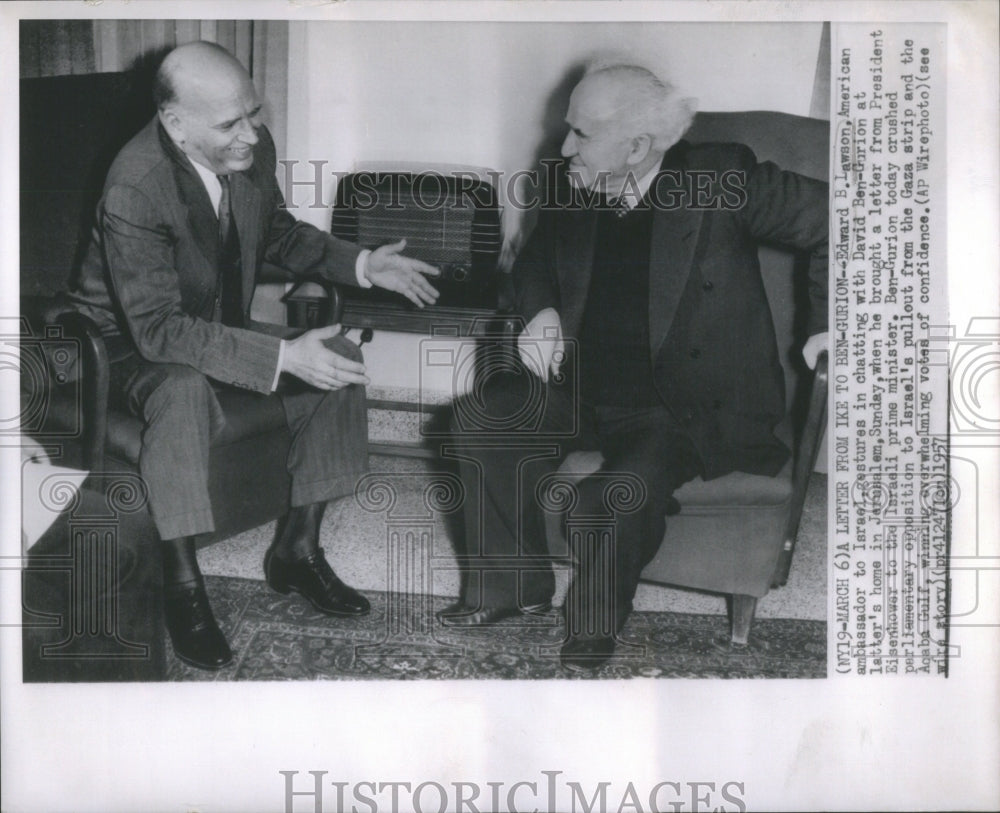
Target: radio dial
x=454, y=272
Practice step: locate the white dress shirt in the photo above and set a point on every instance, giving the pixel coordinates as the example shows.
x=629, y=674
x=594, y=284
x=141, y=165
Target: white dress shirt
x=633, y=193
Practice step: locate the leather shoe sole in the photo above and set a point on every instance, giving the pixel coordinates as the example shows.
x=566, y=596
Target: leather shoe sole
x=586, y=654
x=460, y=615
x=194, y=633
x=314, y=579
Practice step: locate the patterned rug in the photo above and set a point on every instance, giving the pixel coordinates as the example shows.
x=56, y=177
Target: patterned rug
x=278, y=637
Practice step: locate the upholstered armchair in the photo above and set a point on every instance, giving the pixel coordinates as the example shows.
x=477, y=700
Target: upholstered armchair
x=71, y=129
x=735, y=535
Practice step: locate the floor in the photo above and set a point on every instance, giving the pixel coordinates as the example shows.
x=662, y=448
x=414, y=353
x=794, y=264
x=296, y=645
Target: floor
x=357, y=537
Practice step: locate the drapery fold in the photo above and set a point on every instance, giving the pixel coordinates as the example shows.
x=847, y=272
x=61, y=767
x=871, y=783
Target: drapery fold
x=63, y=47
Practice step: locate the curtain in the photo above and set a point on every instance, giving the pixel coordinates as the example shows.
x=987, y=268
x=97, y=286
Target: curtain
x=61, y=47
x=118, y=44
x=56, y=47
x=820, y=108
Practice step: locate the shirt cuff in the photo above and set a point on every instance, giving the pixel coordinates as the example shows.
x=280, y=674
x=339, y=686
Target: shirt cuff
x=360, y=266
x=281, y=361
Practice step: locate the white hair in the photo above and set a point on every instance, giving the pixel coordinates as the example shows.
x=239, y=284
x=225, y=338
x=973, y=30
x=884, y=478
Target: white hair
x=649, y=105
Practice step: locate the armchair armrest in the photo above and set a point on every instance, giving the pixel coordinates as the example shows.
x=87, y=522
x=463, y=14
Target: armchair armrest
x=805, y=460
x=329, y=312
x=335, y=309
x=95, y=371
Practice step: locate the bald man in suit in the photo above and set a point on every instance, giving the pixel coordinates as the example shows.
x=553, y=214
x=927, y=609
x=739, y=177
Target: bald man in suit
x=190, y=212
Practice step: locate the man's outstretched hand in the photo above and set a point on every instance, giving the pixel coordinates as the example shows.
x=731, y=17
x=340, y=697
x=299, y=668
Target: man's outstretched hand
x=309, y=358
x=388, y=268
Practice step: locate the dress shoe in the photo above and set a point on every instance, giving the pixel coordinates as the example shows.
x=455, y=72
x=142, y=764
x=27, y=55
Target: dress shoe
x=314, y=579
x=461, y=615
x=586, y=654
x=196, y=637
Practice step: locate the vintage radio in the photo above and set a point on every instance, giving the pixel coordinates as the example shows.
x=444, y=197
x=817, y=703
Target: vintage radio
x=450, y=221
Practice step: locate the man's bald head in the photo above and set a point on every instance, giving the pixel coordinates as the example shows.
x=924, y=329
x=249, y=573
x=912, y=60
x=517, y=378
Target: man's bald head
x=189, y=68
x=208, y=106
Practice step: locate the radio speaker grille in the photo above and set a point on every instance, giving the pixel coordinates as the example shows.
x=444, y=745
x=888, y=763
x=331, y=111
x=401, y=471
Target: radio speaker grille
x=450, y=222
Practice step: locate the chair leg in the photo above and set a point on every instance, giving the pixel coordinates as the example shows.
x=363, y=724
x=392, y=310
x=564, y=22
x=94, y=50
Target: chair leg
x=784, y=565
x=744, y=608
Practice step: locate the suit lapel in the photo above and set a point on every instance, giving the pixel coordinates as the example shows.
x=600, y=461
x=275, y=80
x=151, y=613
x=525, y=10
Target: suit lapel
x=573, y=266
x=672, y=248
x=671, y=256
x=202, y=218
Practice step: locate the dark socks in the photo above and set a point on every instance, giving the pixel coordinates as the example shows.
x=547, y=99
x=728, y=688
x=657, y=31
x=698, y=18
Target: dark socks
x=180, y=565
x=298, y=532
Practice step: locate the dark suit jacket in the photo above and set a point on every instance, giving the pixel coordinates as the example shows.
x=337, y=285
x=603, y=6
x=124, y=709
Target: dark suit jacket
x=150, y=277
x=713, y=353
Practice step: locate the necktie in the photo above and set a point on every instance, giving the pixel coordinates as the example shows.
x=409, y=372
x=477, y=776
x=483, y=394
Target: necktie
x=620, y=206
x=617, y=204
x=230, y=269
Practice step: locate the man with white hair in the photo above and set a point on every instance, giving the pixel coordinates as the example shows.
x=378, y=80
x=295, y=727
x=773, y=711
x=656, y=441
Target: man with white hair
x=649, y=275
x=190, y=212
